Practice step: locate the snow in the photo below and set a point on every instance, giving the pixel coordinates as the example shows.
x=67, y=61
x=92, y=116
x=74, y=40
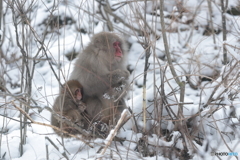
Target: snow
x=195, y=57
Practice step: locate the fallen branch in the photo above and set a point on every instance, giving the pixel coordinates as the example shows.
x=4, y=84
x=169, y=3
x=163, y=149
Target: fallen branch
x=69, y=122
x=124, y=117
x=48, y=125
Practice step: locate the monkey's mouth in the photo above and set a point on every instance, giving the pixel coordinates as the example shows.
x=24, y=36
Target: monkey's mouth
x=118, y=58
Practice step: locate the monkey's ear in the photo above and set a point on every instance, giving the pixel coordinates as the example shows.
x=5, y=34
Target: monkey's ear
x=97, y=43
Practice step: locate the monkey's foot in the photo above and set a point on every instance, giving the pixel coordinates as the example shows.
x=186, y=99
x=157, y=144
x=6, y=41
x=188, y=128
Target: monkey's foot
x=100, y=129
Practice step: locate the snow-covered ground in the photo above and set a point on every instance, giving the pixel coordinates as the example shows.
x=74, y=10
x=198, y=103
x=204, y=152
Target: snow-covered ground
x=211, y=98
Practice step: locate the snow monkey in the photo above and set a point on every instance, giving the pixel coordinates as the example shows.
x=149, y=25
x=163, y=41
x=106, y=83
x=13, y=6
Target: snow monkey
x=69, y=104
x=101, y=69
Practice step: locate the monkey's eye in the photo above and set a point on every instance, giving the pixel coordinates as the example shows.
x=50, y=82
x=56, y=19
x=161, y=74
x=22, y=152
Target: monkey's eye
x=115, y=44
x=78, y=91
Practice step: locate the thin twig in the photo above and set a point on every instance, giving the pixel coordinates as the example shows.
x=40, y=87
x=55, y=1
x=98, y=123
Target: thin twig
x=211, y=22
x=55, y=146
x=224, y=29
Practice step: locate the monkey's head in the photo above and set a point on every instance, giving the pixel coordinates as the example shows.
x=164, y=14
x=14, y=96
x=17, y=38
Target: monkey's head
x=73, y=88
x=109, y=46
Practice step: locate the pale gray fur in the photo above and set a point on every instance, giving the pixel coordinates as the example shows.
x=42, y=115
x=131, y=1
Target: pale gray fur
x=98, y=71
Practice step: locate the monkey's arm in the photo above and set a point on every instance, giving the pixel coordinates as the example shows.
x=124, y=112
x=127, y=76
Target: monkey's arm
x=118, y=83
x=64, y=103
x=118, y=76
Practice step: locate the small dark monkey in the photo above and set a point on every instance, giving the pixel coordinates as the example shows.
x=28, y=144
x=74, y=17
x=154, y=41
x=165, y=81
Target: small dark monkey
x=69, y=104
x=101, y=69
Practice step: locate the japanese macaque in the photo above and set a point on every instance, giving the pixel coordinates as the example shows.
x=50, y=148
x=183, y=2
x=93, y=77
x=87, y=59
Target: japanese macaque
x=101, y=69
x=69, y=104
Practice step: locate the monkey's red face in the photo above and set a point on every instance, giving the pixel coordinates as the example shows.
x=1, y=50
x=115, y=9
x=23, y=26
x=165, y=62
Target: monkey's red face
x=78, y=94
x=118, y=51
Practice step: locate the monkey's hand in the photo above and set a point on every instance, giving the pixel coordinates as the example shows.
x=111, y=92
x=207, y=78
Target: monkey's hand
x=81, y=107
x=118, y=80
x=116, y=92
x=118, y=76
